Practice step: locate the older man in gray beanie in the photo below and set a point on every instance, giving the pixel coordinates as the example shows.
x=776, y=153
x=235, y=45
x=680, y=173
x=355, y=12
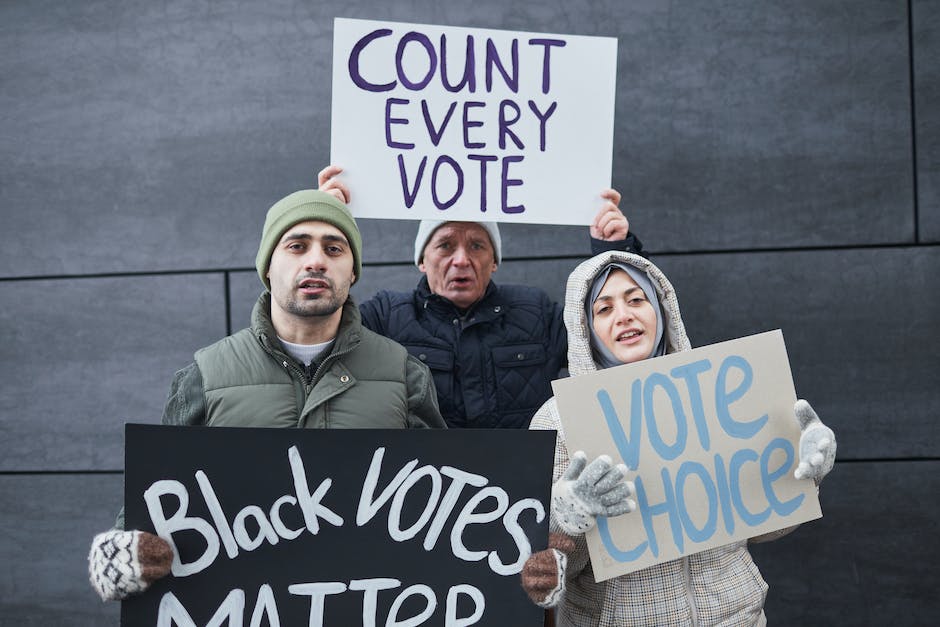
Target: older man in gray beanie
x=306, y=361
x=493, y=349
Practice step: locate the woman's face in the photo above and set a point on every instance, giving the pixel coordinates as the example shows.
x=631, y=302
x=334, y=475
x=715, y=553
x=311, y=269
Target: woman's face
x=624, y=320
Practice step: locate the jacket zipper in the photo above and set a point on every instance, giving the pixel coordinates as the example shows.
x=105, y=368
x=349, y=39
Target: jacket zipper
x=330, y=358
x=291, y=367
x=316, y=377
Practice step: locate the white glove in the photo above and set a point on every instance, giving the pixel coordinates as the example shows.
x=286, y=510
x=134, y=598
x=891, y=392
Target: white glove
x=582, y=494
x=817, y=444
x=122, y=563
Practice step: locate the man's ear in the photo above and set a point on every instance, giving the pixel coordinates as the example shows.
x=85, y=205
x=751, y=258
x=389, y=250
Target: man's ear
x=422, y=268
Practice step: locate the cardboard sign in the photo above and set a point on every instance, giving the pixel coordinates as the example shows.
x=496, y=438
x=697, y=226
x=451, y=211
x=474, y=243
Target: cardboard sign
x=472, y=124
x=338, y=527
x=713, y=441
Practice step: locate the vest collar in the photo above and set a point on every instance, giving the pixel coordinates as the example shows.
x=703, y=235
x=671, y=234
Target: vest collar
x=348, y=335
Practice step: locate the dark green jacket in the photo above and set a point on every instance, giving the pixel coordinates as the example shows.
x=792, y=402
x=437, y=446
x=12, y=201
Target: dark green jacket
x=247, y=380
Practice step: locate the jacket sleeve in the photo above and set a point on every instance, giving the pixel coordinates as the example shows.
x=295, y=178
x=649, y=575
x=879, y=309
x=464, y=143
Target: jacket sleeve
x=773, y=535
x=558, y=334
x=423, y=411
x=374, y=313
x=185, y=405
x=631, y=244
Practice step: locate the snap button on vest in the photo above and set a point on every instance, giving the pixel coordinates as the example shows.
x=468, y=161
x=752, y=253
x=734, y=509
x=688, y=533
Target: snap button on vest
x=344, y=378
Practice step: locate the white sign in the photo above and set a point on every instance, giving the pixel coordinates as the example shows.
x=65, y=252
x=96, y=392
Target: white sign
x=472, y=124
x=713, y=441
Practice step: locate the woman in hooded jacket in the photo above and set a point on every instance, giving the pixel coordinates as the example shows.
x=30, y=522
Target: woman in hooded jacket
x=620, y=308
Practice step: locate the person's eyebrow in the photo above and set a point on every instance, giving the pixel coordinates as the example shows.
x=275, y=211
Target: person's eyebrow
x=292, y=237
x=626, y=292
x=336, y=238
x=300, y=236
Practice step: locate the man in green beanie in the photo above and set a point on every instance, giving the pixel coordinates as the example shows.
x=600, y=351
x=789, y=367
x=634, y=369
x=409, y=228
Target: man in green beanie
x=306, y=361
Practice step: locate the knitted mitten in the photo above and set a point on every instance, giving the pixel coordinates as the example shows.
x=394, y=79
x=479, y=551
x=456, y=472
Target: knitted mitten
x=543, y=574
x=817, y=444
x=582, y=494
x=122, y=563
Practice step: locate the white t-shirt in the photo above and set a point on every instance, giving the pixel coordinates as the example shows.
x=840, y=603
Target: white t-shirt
x=306, y=353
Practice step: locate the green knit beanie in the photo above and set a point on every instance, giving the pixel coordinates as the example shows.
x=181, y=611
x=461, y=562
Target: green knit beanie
x=307, y=204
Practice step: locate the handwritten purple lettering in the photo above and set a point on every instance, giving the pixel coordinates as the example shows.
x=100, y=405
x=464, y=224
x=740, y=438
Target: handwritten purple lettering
x=496, y=131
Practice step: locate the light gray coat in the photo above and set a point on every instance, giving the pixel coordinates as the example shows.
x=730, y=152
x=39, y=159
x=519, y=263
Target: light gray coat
x=719, y=586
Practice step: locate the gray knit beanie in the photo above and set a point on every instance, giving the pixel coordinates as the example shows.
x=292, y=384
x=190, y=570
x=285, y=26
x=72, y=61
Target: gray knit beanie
x=427, y=227
x=307, y=204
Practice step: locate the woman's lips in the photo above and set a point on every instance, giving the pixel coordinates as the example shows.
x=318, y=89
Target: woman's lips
x=630, y=336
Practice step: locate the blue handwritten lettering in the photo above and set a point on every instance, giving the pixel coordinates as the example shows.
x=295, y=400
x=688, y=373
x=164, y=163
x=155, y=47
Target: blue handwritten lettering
x=665, y=451
x=724, y=398
x=768, y=477
x=711, y=523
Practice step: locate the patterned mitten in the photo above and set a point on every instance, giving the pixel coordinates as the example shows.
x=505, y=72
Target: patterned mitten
x=817, y=444
x=543, y=575
x=122, y=563
x=582, y=494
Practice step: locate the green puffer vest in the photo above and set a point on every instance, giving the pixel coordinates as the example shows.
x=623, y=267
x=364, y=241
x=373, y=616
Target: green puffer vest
x=250, y=382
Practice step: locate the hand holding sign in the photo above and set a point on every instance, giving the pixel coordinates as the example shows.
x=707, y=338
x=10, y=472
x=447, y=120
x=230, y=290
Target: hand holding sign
x=817, y=444
x=582, y=494
x=610, y=224
x=122, y=563
x=543, y=576
x=327, y=182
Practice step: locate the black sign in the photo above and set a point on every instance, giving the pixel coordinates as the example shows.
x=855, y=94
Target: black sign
x=338, y=527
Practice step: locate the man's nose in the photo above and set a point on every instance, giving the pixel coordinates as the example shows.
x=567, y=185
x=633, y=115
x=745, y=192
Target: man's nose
x=461, y=256
x=315, y=260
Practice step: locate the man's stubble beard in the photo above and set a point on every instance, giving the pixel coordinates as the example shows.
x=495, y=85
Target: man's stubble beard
x=314, y=307
x=318, y=306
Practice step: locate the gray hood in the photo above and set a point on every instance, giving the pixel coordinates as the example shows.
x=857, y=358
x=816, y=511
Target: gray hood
x=580, y=360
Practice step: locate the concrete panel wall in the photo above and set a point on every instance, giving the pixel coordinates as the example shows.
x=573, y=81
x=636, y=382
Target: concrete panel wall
x=83, y=356
x=738, y=124
x=782, y=162
x=925, y=51
x=47, y=527
x=842, y=570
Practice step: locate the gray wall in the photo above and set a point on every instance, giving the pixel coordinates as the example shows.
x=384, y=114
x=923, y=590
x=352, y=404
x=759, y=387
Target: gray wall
x=781, y=159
